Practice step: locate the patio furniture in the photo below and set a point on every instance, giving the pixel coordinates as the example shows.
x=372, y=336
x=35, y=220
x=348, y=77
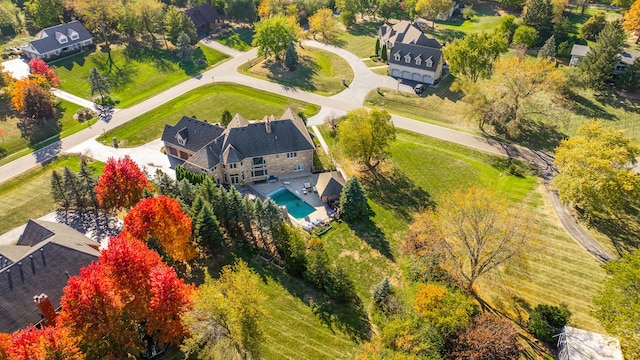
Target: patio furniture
x=314, y=189
x=307, y=185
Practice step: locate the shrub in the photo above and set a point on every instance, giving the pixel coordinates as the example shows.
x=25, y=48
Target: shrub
x=348, y=18
x=593, y=26
x=546, y=321
x=525, y=35
x=84, y=114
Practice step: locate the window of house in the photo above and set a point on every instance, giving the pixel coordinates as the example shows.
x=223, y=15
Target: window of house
x=181, y=140
x=418, y=61
x=277, y=156
x=407, y=58
x=73, y=34
x=292, y=154
x=233, y=166
x=429, y=63
x=282, y=169
x=298, y=167
x=397, y=56
x=261, y=172
x=235, y=179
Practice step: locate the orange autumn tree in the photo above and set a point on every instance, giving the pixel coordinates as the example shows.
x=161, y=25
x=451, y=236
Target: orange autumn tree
x=121, y=184
x=162, y=219
x=128, y=291
x=428, y=297
x=53, y=342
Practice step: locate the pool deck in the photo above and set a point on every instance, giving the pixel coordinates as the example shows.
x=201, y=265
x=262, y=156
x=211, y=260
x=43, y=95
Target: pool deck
x=295, y=184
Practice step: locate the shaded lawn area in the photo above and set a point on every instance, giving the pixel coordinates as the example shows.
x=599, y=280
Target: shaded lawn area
x=27, y=196
x=14, y=145
x=561, y=272
x=14, y=41
x=489, y=14
x=240, y=39
x=139, y=72
x=319, y=71
x=360, y=39
x=206, y=102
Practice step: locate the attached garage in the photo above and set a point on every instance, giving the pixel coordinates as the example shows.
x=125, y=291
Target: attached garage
x=406, y=75
x=427, y=79
x=417, y=77
x=395, y=72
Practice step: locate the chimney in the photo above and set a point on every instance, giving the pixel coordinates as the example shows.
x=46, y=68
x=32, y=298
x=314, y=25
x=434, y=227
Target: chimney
x=267, y=125
x=46, y=309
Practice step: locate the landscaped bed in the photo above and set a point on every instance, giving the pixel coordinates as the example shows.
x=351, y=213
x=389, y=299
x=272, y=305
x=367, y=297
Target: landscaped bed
x=207, y=103
x=137, y=74
x=319, y=71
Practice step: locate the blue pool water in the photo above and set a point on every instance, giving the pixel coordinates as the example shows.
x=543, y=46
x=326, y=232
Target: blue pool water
x=295, y=206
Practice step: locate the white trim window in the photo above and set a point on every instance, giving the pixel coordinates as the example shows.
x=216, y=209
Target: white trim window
x=418, y=61
x=397, y=56
x=429, y=62
x=407, y=58
x=298, y=167
x=292, y=154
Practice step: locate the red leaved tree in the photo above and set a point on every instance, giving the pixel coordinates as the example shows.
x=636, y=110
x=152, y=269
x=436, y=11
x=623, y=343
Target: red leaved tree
x=121, y=184
x=162, y=219
x=128, y=290
x=39, y=67
x=53, y=342
x=488, y=337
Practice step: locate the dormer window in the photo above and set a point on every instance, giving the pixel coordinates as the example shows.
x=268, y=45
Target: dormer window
x=407, y=58
x=418, y=60
x=62, y=38
x=429, y=62
x=73, y=34
x=397, y=56
x=181, y=141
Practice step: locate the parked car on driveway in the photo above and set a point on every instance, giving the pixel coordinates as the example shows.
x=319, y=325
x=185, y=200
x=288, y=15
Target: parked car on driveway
x=419, y=89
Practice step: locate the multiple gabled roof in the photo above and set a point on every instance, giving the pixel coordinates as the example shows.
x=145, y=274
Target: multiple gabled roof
x=407, y=32
x=51, y=253
x=241, y=139
x=53, y=38
x=329, y=184
x=410, y=43
x=419, y=56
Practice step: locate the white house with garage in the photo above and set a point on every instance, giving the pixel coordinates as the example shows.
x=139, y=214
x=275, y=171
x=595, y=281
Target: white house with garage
x=411, y=55
x=58, y=40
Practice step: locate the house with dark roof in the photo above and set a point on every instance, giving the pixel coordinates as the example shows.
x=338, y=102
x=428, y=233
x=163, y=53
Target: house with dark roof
x=42, y=261
x=329, y=186
x=57, y=40
x=243, y=152
x=204, y=17
x=411, y=55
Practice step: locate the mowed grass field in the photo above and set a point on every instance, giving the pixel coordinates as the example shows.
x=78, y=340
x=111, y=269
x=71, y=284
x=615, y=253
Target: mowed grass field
x=14, y=145
x=207, y=103
x=318, y=71
x=27, y=196
x=138, y=74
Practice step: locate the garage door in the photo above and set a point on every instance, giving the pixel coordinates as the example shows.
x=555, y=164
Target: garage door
x=406, y=75
x=417, y=77
x=427, y=79
x=395, y=72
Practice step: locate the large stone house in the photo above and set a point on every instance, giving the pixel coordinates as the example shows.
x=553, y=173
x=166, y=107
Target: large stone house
x=57, y=40
x=244, y=151
x=42, y=261
x=411, y=55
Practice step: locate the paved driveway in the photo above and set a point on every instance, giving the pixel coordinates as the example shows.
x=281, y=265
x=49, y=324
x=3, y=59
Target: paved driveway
x=18, y=68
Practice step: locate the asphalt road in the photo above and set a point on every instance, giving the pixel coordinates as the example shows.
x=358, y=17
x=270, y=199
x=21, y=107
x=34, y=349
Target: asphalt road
x=352, y=97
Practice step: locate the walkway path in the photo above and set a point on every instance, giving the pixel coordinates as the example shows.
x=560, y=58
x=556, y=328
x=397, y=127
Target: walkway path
x=353, y=97
x=73, y=99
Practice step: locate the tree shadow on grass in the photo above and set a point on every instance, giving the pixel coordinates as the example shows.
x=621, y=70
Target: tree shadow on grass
x=623, y=230
x=585, y=107
x=539, y=136
x=369, y=232
x=300, y=78
x=394, y=190
x=611, y=98
x=447, y=35
x=162, y=59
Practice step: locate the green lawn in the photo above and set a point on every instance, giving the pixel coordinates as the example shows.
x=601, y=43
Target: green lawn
x=319, y=71
x=360, y=39
x=14, y=145
x=489, y=14
x=206, y=102
x=28, y=195
x=240, y=39
x=138, y=74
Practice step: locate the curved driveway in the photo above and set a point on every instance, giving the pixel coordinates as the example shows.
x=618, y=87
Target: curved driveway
x=351, y=98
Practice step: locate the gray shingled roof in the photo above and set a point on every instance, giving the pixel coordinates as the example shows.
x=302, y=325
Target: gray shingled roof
x=253, y=139
x=415, y=51
x=203, y=15
x=50, y=43
x=407, y=32
x=199, y=133
x=35, y=232
x=579, y=50
x=329, y=183
x=45, y=268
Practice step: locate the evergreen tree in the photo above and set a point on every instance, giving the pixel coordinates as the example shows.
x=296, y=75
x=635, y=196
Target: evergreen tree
x=58, y=191
x=260, y=220
x=599, y=63
x=353, y=201
x=295, y=260
x=165, y=184
x=291, y=57
x=248, y=215
x=377, y=46
x=384, y=53
x=208, y=189
x=197, y=206
x=207, y=229
x=72, y=187
x=539, y=15
x=98, y=83
x=548, y=50
x=233, y=210
x=226, y=118
x=381, y=293
x=88, y=184
x=184, y=48
x=186, y=192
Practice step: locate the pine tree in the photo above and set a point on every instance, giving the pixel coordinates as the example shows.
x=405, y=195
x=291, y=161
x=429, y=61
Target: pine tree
x=381, y=292
x=197, y=206
x=88, y=183
x=353, y=201
x=226, y=118
x=599, y=63
x=72, y=187
x=539, y=15
x=291, y=57
x=233, y=210
x=98, y=83
x=58, y=191
x=378, y=46
x=184, y=48
x=186, y=191
x=548, y=50
x=384, y=52
x=207, y=229
x=166, y=185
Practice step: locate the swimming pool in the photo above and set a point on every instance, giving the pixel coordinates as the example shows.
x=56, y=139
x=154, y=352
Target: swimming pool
x=295, y=206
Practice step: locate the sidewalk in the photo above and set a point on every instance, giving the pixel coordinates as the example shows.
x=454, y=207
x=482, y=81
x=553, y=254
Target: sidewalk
x=74, y=99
